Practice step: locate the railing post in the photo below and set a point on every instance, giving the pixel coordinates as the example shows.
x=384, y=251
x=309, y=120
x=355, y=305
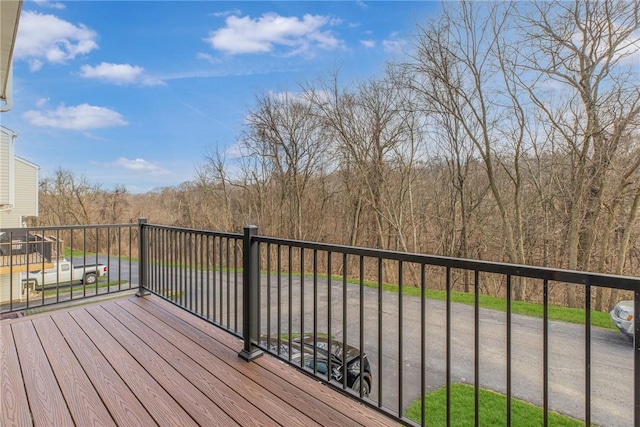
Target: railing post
x=250, y=289
x=142, y=259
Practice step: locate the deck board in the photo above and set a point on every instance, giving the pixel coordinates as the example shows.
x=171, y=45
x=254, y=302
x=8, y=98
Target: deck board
x=321, y=403
x=193, y=401
x=15, y=407
x=143, y=361
x=164, y=409
x=201, y=369
x=83, y=399
x=261, y=391
x=124, y=406
x=45, y=400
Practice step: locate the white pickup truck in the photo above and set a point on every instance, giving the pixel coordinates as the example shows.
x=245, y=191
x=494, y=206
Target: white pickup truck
x=64, y=272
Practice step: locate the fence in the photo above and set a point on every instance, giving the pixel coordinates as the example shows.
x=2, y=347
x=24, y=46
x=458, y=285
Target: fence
x=41, y=266
x=382, y=326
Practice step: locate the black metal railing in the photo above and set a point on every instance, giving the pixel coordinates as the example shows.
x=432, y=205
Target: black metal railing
x=41, y=266
x=195, y=269
x=383, y=326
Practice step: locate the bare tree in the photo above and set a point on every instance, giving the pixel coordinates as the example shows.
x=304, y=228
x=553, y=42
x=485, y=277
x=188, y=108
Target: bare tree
x=284, y=131
x=462, y=71
x=369, y=125
x=68, y=199
x=216, y=184
x=591, y=99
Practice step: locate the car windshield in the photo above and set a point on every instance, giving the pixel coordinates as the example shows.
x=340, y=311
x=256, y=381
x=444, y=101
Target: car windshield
x=321, y=366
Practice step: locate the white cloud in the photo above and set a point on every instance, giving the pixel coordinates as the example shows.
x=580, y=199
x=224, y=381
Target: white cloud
x=35, y=64
x=47, y=38
x=243, y=35
x=625, y=53
x=368, y=43
x=629, y=52
x=40, y=102
x=234, y=152
x=80, y=117
x=120, y=74
x=226, y=13
x=207, y=57
x=49, y=4
x=139, y=165
x=394, y=45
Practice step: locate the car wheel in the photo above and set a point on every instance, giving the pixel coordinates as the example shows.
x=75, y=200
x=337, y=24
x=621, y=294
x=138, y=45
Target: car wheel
x=365, y=387
x=89, y=279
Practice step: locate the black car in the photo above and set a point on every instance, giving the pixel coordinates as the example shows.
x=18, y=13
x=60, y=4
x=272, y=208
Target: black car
x=323, y=354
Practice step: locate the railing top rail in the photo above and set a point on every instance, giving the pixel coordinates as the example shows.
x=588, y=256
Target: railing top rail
x=195, y=230
x=527, y=271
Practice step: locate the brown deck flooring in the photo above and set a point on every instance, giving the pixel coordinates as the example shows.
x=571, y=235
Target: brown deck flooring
x=142, y=361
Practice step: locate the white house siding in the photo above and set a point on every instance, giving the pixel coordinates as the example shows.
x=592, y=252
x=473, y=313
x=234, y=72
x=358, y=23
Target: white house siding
x=6, y=166
x=5, y=294
x=25, y=194
x=8, y=220
x=26, y=188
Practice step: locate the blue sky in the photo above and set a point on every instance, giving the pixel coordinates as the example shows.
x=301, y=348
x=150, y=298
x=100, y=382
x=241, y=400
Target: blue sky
x=135, y=93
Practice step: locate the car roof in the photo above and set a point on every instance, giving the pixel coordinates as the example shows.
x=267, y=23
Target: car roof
x=321, y=345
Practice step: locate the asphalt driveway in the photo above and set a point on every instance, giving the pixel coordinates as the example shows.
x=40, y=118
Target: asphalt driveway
x=611, y=364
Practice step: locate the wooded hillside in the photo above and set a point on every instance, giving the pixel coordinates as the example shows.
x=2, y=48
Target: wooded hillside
x=510, y=132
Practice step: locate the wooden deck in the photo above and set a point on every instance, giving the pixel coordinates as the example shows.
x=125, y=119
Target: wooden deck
x=18, y=263
x=142, y=361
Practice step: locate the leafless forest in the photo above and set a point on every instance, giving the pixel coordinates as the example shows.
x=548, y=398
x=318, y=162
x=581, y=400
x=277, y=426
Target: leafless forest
x=510, y=132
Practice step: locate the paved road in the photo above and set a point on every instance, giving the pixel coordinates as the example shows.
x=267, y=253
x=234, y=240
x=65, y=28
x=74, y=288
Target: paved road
x=119, y=269
x=611, y=365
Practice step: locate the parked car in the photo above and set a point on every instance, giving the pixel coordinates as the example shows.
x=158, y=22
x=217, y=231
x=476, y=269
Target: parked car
x=323, y=355
x=64, y=272
x=622, y=317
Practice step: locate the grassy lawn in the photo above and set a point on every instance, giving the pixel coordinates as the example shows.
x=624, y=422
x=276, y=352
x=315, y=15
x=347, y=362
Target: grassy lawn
x=172, y=295
x=492, y=409
x=77, y=254
x=572, y=315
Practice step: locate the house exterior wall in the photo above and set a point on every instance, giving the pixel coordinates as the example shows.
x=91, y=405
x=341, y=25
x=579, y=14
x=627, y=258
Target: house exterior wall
x=18, y=184
x=5, y=290
x=26, y=188
x=6, y=168
x=8, y=220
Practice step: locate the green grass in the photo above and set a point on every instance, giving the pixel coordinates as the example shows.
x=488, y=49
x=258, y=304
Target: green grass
x=78, y=254
x=565, y=314
x=492, y=409
x=172, y=295
x=572, y=315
